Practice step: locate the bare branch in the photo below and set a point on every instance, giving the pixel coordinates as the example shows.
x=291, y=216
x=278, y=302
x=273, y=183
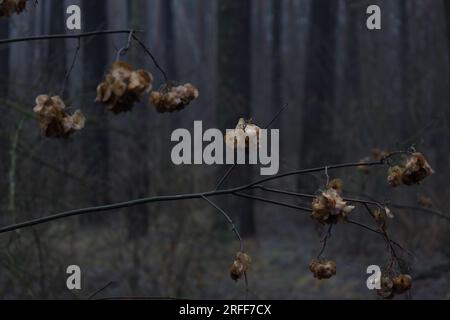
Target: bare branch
x=67, y=36
x=147, y=50
x=67, y=76
x=230, y=221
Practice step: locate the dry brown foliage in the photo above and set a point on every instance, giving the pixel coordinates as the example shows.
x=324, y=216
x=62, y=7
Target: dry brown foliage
x=171, y=98
x=415, y=169
x=391, y=286
x=123, y=86
x=240, y=266
x=329, y=207
x=53, y=119
x=243, y=135
x=323, y=269
x=9, y=7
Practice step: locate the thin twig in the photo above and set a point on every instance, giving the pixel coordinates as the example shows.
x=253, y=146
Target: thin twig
x=246, y=285
x=402, y=206
x=67, y=36
x=178, y=197
x=147, y=50
x=393, y=253
x=122, y=51
x=325, y=241
x=311, y=196
x=359, y=224
x=92, y=296
x=230, y=221
x=279, y=203
x=67, y=76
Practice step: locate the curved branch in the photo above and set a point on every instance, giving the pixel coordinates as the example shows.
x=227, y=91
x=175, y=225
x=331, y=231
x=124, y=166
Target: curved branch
x=68, y=36
x=229, y=220
x=136, y=202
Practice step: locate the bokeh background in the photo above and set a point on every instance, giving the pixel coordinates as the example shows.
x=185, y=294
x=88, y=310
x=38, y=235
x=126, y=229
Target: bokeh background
x=349, y=90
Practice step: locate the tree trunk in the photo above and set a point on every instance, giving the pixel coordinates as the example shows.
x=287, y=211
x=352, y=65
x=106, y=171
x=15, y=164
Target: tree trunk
x=4, y=79
x=277, y=64
x=316, y=143
x=167, y=20
x=4, y=58
x=96, y=139
x=234, y=87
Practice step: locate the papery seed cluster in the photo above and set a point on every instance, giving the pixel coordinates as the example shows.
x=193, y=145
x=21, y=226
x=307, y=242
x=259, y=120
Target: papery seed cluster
x=394, y=285
x=171, y=98
x=415, y=169
x=322, y=269
x=123, y=86
x=9, y=7
x=53, y=119
x=329, y=207
x=243, y=136
x=240, y=266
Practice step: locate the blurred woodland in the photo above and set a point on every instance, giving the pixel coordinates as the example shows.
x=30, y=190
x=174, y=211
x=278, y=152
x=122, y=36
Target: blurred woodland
x=350, y=92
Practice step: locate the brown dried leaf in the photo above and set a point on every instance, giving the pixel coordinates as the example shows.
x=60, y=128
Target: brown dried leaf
x=123, y=87
x=53, y=119
x=322, y=269
x=240, y=266
x=172, y=98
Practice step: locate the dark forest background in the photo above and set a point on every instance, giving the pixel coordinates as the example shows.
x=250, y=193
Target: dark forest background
x=349, y=90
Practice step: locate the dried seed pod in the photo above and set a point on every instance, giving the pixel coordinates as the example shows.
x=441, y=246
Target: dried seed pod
x=171, y=97
x=53, y=119
x=391, y=286
x=123, y=87
x=240, y=266
x=402, y=283
x=386, y=287
x=417, y=169
x=140, y=82
x=380, y=219
x=329, y=207
x=336, y=184
x=9, y=7
x=245, y=135
x=413, y=172
x=395, y=176
x=322, y=269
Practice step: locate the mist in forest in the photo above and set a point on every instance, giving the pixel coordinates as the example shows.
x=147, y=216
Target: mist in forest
x=353, y=95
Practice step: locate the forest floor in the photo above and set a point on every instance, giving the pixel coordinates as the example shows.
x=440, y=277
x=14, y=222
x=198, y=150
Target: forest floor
x=185, y=261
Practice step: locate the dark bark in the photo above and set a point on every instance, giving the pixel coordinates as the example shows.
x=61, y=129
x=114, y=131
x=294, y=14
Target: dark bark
x=56, y=49
x=4, y=77
x=4, y=58
x=167, y=20
x=353, y=62
x=138, y=222
x=277, y=62
x=234, y=87
x=320, y=85
x=96, y=142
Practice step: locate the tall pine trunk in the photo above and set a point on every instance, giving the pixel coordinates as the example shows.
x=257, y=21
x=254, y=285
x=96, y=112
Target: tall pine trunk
x=96, y=139
x=234, y=87
x=320, y=85
x=277, y=64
